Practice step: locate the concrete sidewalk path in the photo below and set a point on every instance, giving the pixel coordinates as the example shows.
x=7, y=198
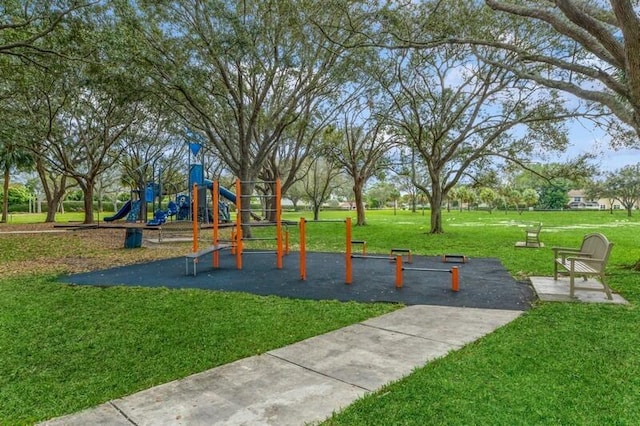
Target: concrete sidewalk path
x=307, y=381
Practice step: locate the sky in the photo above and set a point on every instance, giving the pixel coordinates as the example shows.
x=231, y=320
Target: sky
x=585, y=139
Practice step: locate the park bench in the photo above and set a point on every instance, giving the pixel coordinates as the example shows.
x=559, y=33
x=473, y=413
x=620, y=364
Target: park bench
x=532, y=235
x=194, y=257
x=588, y=260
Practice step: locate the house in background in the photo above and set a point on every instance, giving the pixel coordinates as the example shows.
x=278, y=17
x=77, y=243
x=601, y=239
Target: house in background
x=579, y=200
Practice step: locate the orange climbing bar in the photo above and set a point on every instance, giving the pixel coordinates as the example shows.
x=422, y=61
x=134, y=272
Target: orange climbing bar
x=348, y=278
x=398, y=271
x=233, y=240
x=216, y=219
x=279, y=249
x=238, y=225
x=455, y=286
x=303, y=249
x=286, y=242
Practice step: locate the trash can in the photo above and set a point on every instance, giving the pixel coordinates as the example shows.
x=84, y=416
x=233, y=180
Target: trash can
x=133, y=238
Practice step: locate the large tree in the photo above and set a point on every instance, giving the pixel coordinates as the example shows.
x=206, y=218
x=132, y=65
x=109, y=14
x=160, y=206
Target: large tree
x=243, y=72
x=12, y=156
x=456, y=112
x=86, y=106
x=319, y=181
x=295, y=145
x=589, y=49
x=362, y=150
x=26, y=24
x=25, y=32
x=623, y=185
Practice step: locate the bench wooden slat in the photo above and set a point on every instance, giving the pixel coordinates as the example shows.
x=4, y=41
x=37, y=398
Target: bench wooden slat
x=579, y=266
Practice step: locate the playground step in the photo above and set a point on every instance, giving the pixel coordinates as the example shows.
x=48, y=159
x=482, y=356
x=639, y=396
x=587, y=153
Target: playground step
x=404, y=252
x=363, y=243
x=460, y=258
x=195, y=256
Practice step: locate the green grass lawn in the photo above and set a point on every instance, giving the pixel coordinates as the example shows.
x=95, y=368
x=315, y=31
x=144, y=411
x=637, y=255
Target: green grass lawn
x=65, y=348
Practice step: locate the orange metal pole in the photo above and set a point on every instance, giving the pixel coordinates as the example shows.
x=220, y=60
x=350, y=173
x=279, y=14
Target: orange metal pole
x=286, y=242
x=194, y=217
x=455, y=285
x=233, y=241
x=303, y=249
x=349, y=274
x=399, y=271
x=216, y=218
x=238, y=225
x=278, y=226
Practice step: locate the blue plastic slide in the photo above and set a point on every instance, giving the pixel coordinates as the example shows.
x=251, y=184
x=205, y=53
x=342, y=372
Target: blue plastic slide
x=223, y=191
x=124, y=210
x=228, y=195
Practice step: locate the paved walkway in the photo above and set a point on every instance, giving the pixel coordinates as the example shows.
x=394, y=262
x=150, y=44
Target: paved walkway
x=307, y=381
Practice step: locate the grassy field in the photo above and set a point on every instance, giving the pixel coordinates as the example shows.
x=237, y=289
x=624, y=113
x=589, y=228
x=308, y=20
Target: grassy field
x=65, y=348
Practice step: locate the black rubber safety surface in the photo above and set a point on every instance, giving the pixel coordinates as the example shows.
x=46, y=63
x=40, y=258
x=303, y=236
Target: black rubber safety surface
x=484, y=282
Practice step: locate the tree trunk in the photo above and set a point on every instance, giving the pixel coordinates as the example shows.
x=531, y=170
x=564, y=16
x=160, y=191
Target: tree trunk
x=360, y=213
x=436, y=221
x=316, y=211
x=53, y=204
x=270, y=203
x=436, y=208
x=87, y=190
x=5, y=195
x=53, y=191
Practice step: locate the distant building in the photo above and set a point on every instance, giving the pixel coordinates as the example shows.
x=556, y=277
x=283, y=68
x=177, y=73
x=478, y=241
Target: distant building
x=579, y=200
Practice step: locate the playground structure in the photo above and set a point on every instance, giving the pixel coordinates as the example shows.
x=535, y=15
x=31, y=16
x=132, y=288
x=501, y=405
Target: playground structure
x=396, y=256
x=240, y=209
x=399, y=256
x=182, y=207
x=237, y=242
